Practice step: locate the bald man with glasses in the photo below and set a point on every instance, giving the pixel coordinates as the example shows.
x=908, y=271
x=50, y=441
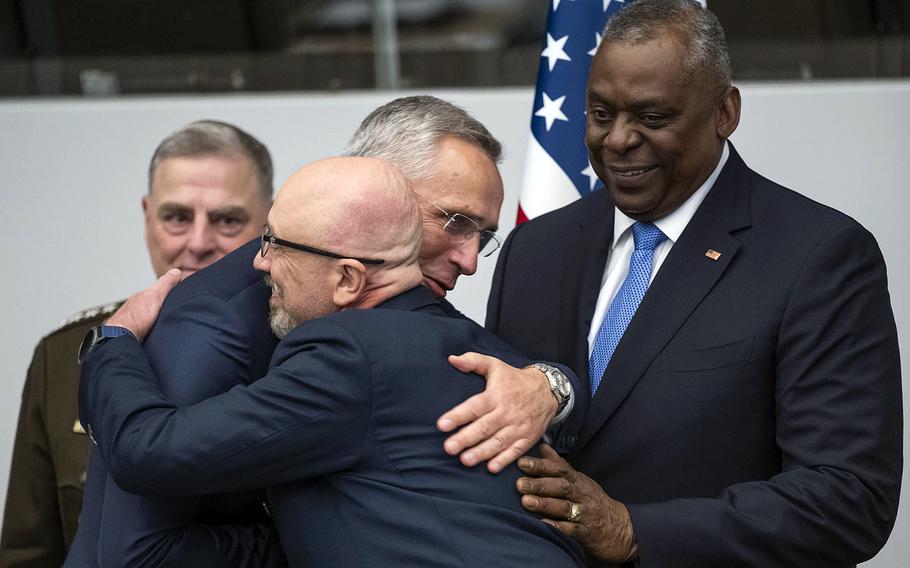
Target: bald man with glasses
x=205, y=327
x=341, y=428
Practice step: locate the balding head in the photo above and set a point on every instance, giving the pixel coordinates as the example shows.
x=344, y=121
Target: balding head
x=363, y=207
x=353, y=207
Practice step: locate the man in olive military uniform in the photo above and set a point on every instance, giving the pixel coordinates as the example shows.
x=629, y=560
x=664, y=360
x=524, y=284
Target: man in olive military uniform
x=48, y=473
x=210, y=187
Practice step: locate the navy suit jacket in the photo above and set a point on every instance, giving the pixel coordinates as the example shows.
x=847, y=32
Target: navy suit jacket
x=343, y=431
x=751, y=414
x=211, y=334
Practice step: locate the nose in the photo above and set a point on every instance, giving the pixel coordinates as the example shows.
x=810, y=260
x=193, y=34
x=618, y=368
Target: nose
x=203, y=240
x=262, y=263
x=622, y=136
x=464, y=256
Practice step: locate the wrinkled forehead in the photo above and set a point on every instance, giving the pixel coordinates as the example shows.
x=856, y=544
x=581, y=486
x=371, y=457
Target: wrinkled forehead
x=653, y=72
x=465, y=181
x=212, y=177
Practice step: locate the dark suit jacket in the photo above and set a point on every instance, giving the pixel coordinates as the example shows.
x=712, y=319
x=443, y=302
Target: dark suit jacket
x=751, y=415
x=212, y=334
x=343, y=430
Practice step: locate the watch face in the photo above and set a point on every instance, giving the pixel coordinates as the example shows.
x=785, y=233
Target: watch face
x=559, y=384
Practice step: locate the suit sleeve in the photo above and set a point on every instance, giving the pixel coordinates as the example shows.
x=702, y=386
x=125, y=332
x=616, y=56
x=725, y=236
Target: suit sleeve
x=306, y=417
x=492, y=321
x=200, y=348
x=838, y=399
x=32, y=528
x=562, y=436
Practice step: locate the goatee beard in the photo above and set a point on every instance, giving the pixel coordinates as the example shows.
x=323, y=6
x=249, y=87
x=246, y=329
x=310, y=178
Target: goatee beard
x=281, y=322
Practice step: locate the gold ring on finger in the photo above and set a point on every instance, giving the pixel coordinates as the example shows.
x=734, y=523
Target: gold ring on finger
x=575, y=513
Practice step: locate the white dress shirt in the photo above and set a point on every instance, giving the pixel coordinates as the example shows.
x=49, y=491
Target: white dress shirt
x=671, y=225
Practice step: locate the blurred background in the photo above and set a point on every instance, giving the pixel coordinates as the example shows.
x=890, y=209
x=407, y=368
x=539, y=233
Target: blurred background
x=89, y=87
x=126, y=47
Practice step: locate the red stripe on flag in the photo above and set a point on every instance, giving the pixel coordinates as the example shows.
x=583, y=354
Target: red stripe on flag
x=522, y=218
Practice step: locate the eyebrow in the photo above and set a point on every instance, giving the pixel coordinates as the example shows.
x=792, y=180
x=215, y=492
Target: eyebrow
x=219, y=212
x=647, y=104
x=479, y=218
x=593, y=97
x=638, y=106
x=229, y=211
x=171, y=208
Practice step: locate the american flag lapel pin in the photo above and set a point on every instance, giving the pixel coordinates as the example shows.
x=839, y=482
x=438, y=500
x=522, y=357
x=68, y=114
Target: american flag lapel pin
x=712, y=254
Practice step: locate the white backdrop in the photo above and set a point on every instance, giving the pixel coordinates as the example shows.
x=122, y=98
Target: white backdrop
x=72, y=173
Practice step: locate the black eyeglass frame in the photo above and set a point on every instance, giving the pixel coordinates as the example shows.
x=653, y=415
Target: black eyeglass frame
x=485, y=235
x=268, y=238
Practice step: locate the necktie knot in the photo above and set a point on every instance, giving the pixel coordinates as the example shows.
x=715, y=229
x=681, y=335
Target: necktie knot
x=647, y=236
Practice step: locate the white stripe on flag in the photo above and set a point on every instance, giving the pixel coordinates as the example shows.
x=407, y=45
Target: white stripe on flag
x=546, y=186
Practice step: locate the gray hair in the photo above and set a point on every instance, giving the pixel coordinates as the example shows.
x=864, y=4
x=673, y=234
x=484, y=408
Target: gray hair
x=696, y=28
x=407, y=131
x=213, y=137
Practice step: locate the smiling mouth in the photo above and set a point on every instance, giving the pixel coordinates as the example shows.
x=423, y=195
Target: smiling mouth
x=631, y=172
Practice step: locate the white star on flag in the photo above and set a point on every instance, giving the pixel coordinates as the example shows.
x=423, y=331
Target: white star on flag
x=555, y=50
x=607, y=3
x=551, y=111
x=597, y=39
x=592, y=177
x=555, y=4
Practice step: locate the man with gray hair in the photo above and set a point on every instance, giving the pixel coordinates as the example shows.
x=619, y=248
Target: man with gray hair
x=433, y=142
x=341, y=428
x=209, y=191
x=210, y=187
x=744, y=396
x=451, y=160
x=457, y=158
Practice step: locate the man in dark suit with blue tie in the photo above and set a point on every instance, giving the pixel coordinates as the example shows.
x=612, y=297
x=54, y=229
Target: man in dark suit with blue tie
x=738, y=338
x=342, y=428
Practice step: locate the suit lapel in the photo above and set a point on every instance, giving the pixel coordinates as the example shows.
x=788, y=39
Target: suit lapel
x=585, y=254
x=685, y=277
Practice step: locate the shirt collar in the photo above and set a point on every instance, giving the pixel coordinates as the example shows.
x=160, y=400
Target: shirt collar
x=675, y=223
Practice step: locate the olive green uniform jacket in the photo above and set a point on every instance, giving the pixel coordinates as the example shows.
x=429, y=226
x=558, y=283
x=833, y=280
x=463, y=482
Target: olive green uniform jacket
x=47, y=476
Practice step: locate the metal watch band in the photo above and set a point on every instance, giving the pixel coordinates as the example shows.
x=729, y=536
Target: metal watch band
x=559, y=384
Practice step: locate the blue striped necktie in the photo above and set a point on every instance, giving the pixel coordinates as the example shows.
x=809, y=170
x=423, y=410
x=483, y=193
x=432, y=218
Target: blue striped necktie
x=647, y=237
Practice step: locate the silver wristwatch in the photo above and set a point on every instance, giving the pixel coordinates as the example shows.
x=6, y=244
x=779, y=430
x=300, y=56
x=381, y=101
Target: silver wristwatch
x=559, y=385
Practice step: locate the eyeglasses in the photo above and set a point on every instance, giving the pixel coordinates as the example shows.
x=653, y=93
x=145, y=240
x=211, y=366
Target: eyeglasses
x=269, y=239
x=462, y=228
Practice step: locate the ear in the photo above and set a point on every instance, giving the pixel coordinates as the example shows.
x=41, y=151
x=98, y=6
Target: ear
x=145, y=207
x=728, y=112
x=349, y=279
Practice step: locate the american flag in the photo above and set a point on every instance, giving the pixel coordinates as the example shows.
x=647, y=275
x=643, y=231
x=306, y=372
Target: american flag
x=557, y=170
